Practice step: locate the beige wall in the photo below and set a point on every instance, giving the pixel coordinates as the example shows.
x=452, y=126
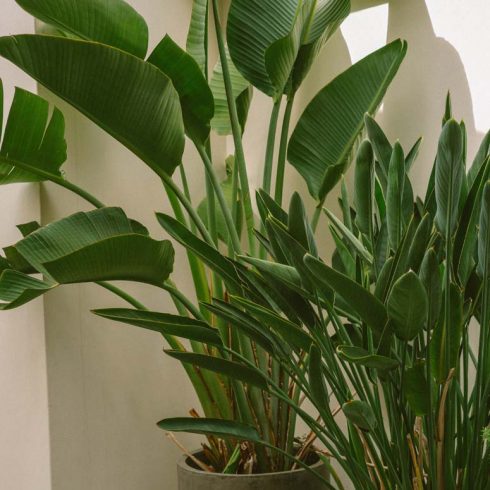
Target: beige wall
x=24, y=435
x=109, y=383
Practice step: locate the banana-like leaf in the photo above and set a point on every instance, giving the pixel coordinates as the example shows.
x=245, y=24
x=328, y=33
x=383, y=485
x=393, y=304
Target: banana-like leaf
x=242, y=93
x=382, y=149
x=212, y=427
x=322, y=22
x=31, y=137
x=131, y=99
x=364, y=187
x=358, y=355
x=360, y=414
x=283, y=273
x=100, y=245
x=367, y=306
x=441, y=358
x=419, y=245
x=322, y=141
x=299, y=225
x=484, y=234
x=264, y=38
x=230, y=369
x=17, y=289
x=164, y=323
x=416, y=389
x=408, y=306
x=197, y=37
x=449, y=176
x=195, y=95
x=111, y=22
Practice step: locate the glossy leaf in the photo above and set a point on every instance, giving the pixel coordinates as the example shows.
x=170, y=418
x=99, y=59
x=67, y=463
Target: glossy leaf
x=364, y=187
x=100, y=245
x=449, y=177
x=195, y=96
x=164, y=323
x=262, y=43
x=367, y=306
x=323, y=139
x=358, y=355
x=212, y=427
x=31, y=137
x=197, y=37
x=129, y=98
x=407, y=306
x=360, y=414
x=230, y=369
x=112, y=22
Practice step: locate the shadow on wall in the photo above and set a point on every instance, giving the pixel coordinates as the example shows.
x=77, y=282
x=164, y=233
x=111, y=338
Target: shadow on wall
x=414, y=104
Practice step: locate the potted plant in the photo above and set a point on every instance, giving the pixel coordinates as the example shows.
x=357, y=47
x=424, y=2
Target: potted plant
x=400, y=339
x=94, y=56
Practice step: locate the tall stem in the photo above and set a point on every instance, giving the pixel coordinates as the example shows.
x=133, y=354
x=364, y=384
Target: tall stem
x=221, y=199
x=269, y=152
x=237, y=132
x=283, y=149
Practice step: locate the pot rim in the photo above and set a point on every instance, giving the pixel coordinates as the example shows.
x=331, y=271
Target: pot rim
x=182, y=464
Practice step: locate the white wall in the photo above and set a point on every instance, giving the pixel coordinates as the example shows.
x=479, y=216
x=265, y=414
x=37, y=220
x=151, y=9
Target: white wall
x=24, y=435
x=108, y=383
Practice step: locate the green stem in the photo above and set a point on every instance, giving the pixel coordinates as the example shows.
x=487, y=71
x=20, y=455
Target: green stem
x=174, y=292
x=316, y=217
x=56, y=180
x=122, y=294
x=172, y=186
x=237, y=132
x=221, y=199
x=283, y=149
x=269, y=152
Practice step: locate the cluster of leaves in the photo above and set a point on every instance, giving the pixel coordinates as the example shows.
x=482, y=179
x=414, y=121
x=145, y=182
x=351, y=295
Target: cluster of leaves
x=384, y=330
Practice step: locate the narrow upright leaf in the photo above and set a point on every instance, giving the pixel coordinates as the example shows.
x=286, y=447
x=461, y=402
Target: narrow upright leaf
x=197, y=37
x=394, y=196
x=364, y=187
x=112, y=22
x=449, y=175
x=484, y=234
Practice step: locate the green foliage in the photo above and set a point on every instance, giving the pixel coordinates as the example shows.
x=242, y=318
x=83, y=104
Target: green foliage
x=382, y=332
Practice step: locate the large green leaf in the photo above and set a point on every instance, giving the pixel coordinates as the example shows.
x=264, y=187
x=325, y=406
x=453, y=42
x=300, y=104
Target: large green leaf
x=230, y=369
x=480, y=158
x=111, y=22
x=31, y=137
x=323, y=139
x=97, y=246
x=17, y=289
x=431, y=279
x=416, y=388
x=367, y=306
x=408, y=306
x=449, y=176
x=264, y=39
x=197, y=37
x=324, y=19
x=212, y=427
x=195, y=95
x=164, y=323
x=129, y=98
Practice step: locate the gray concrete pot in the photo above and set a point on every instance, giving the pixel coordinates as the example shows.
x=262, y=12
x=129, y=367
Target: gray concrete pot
x=191, y=478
